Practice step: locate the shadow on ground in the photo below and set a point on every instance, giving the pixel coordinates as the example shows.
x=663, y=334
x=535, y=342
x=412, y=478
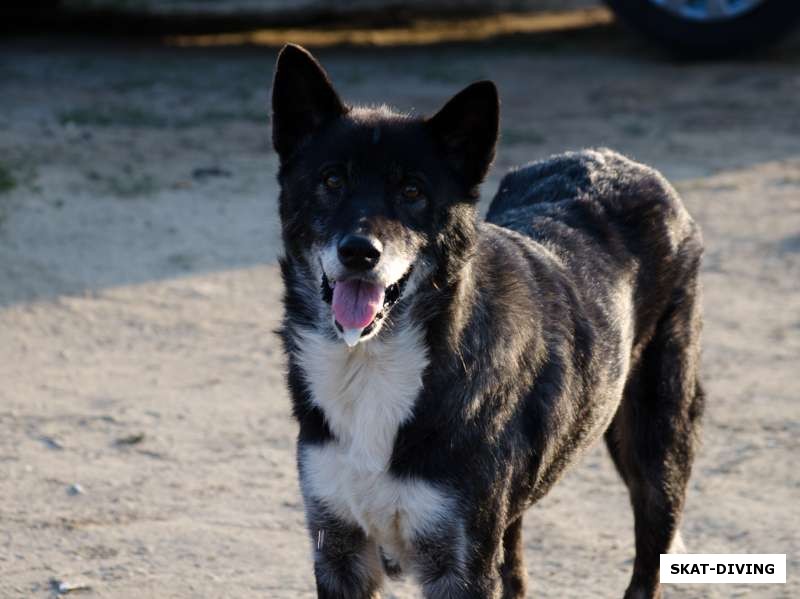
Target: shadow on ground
x=131, y=161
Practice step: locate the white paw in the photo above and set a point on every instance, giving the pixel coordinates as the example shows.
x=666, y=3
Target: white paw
x=677, y=545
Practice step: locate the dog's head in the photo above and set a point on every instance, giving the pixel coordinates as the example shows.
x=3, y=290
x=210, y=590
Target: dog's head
x=369, y=197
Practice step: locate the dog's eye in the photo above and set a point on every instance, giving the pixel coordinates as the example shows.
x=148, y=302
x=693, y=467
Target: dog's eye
x=411, y=191
x=333, y=181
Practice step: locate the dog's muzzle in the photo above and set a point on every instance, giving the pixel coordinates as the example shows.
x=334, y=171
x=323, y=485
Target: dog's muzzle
x=391, y=296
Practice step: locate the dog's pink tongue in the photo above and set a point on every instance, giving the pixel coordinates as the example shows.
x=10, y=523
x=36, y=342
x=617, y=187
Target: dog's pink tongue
x=355, y=303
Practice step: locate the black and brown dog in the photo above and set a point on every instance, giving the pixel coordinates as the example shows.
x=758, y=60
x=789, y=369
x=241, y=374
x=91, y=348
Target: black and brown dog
x=445, y=370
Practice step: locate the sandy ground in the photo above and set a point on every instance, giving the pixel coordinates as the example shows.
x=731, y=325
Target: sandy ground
x=146, y=448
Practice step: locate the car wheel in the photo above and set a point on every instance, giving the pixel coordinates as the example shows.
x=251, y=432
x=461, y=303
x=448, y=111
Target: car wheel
x=710, y=27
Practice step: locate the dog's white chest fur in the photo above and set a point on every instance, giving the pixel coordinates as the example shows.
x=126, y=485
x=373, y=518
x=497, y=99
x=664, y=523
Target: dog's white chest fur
x=366, y=393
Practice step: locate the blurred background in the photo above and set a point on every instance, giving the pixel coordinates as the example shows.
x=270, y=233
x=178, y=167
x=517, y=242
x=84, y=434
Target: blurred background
x=146, y=447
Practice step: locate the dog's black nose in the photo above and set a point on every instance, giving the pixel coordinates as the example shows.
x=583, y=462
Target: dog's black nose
x=358, y=252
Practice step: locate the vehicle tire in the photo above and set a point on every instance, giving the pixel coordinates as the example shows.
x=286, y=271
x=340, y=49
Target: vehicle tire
x=703, y=28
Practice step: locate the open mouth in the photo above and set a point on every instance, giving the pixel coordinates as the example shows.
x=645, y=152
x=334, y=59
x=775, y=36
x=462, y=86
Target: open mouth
x=360, y=305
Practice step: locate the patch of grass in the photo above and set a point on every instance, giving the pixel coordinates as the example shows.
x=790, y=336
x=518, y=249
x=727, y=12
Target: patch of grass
x=216, y=117
x=518, y=137
x=7, y=180
x=704, y=185
x=126, y=116
x=135, y=186
x=129, y=186
x=108, y=116
x=787, y=180
x=634, y=129
x=7, y=183
x=354, y=76
x=443, y=72
x=181, y=261
x=790, y=244
x=8, y=74
x=133, y=84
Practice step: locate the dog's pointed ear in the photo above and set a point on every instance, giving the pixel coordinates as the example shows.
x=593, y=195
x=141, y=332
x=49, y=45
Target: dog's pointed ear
x=303, y=99
x=466, y=129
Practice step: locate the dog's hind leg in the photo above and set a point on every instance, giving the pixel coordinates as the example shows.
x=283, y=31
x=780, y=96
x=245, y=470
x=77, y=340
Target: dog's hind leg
x=515, y=578
x=653, y=435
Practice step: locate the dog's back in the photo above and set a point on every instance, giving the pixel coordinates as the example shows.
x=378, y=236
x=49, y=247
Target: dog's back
x=599, y=194
x=609, y=220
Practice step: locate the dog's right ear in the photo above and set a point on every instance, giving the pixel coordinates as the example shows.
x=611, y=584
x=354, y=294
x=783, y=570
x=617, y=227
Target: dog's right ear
x=303, y=99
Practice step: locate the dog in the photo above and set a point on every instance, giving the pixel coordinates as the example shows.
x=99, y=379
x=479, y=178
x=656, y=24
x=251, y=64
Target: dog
x=444, y=371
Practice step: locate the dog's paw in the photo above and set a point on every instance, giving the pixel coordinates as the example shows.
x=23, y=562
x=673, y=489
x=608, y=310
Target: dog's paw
x=677, y=545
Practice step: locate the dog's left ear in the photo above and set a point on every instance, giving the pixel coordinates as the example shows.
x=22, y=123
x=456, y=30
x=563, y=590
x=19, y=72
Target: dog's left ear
x=303, y=99
x=466, y=129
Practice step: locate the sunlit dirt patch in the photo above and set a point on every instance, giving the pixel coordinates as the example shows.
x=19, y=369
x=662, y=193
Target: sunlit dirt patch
x=419, y=32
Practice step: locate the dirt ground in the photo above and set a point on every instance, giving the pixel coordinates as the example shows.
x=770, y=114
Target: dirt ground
x=146, y=448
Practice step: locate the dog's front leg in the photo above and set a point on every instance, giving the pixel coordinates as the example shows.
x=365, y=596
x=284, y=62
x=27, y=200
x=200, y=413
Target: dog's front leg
x=347, y=564
x=449, y=567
